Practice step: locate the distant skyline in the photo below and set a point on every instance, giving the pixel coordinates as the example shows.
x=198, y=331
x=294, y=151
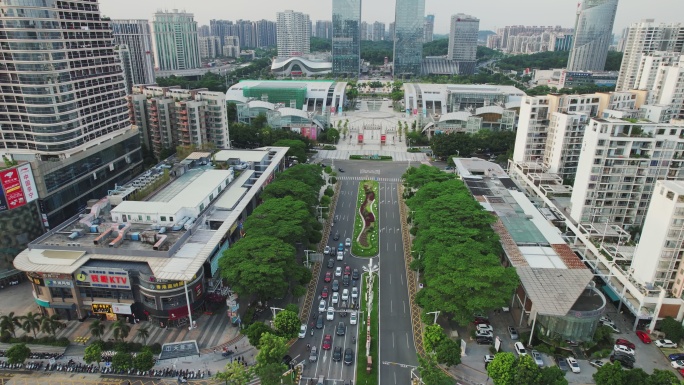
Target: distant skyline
x=521, y=12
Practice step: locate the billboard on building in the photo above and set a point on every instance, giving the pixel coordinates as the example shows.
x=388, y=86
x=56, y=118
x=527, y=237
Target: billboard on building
x=28, y=184
x=12, y=187
x=104, y=277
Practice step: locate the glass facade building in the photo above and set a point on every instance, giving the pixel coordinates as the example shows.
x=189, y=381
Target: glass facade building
x=346, y=42
x=176, y=41
x=408, y=37
x=593, y=35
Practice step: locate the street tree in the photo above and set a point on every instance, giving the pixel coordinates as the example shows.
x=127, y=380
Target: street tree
x=259, y=265
x=50, y=324
x=120, y=330
x=18, y=353
x=235, y=373
x=281, y=188
x=663, y=377
x=310, y=174
x=143, y=360
x=270, y=374
x=297, y=148
x=502, y=369
x=552, y=375
x=672, y=328
x=287, y=323
x=433, y=336
x=255, y=331
x=93, y=353
x=417, y=177
x=122, y=361
x=527, y=371
x=637, y=376
x=430, y=373
x=31, y=323
x=448, y=352
x=97, y=329
x=143, y=333
x=610, y=374
x=272, y=348
x=287, y=219
x=9, y=323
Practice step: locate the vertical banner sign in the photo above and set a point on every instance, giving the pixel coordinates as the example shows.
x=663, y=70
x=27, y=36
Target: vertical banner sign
x=360, y=138
x=28, y=184
x=408, y=112
x=383, y=138
x=424, y=112
x=339, y=110
x=12, y=187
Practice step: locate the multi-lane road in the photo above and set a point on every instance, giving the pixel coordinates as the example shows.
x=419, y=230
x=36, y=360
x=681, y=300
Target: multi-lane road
x=397, y=354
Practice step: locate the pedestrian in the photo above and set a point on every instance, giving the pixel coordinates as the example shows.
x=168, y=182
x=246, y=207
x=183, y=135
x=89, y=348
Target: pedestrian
x=214, y=350
x=236, y=348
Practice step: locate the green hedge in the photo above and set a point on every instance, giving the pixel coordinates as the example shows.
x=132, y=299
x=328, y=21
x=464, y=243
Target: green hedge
x=362, y=376
x=127, y=347
x=373, y=249
x=329, y=147
x=370, y=157
x=7, y=338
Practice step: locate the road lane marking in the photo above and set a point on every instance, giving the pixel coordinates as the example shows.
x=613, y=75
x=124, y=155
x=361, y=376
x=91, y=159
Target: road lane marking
x=390, y=279
x=401, y=278
x=404, y=306
x=407, y=342
x=392, y=340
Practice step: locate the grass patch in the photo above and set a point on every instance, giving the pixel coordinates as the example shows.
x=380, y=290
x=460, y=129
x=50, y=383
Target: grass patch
x=362, y=377
x=373, y=247
x=370, y=157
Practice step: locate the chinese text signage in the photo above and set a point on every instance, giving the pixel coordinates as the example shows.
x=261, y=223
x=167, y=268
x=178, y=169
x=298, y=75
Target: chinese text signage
x=107, y=278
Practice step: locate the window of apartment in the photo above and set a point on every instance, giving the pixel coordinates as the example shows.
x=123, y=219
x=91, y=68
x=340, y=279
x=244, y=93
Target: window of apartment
x=148, y=218
x=670, y=195
x=60, y=292
x=162, y=218
x=170, y=219
x=149, y=301
x=602, y=142
x=140, y=217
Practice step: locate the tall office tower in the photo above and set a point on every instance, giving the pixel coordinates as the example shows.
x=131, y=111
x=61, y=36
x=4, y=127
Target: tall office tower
x=593, y=35
x=346, y=42
x=210, y=47
x=323, y=29
x=428, y=28
x=176, y=41
x=364, y=30
x=643, y=38
x=246, y=31
x=294, y=34
x=390, y=32
x=463, y=42
x=136, y=35
x=64, y=103
x=623, y=40
x=266, y=33
x=378, y=31
x=204, y=31
x=408, y=37
x=220, y=28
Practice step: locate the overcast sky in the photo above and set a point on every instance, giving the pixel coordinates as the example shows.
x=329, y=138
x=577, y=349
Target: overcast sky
x=492, y=13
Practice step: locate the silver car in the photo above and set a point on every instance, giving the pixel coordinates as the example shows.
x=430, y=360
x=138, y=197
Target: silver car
x=537, y=357
x=313, y=356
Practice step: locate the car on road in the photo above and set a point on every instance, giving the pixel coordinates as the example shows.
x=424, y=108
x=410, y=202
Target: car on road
x=484, y=333
x=337, y=353
x=286, y=360
x=485, y=328
x=347, y=242
x=345, y=295
x=331, y=263
x=302, y=331
x=327, y=250
x=355, y=292
x=562, y=363
x=335, y=297
x=610, y=325
x=679, y=364
x=340, y=256
x=313, y=355
x=347, y=270
x=596, y=363
x=327, y=342
x=624, y=342
x=538, y=359
x=623, y=360
x=520, y=349
x=513, y=333
x=324, y=292
x=676, y=356
x=335, y=285
x=348, y=356
x=606, y=319
x=623, y=349
x=340, y=247
x=330, y=315
x=322, y=305
x=341, y=329
x=643, y=336
x=345, y=280
x=481, y=320
x=328, y=276
x=488, y=358
x=340, y=169
x=355, y=274
x=352, y=318
x=484, y=340
x=665, y=344
x=319, y=322
x=336, y=236
x=574, y=366
x=338, y=271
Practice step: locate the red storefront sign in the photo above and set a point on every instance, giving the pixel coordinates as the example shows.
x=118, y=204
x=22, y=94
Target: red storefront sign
x=383, y=138
x=360, y=138
x=12, y=186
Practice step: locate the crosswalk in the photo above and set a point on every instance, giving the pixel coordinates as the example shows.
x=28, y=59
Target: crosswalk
x=395, y=180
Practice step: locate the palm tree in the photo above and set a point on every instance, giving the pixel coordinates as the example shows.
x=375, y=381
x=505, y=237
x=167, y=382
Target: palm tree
x=50, y=324
x=143, y=333
x=9, y=323
x=31, y=323
x=97, y=329
x=120, y=329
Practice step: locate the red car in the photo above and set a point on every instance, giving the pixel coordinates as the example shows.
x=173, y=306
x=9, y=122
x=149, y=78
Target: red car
x=327, y=342
x=643, y=336
x=328, y=276
x=681, y=372
x=624, y=342
x=324, y=293
x=347, y=270
x=480, y=320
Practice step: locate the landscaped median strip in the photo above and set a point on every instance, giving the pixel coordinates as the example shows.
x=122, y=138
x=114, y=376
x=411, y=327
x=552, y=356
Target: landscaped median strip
x=362, y=376
x=366, y=222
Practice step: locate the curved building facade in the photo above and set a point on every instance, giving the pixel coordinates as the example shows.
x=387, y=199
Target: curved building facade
x=593, y=35
x=299, y=66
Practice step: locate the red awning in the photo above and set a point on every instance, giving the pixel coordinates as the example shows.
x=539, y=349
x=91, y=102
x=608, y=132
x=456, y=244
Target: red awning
x=179, y=312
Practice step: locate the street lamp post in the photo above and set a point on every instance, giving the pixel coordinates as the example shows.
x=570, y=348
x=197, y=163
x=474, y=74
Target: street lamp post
x=307, y=256
x=436, y=313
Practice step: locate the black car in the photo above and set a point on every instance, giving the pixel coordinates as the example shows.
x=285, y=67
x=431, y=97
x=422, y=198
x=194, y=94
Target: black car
x=355, y=274
x=337, y=354
x=348, y=356
x=319, y=322
x=286, y=360
x=623, y=360
x=340, y=169
x=345, y=280
x=341, y=329
x=335, y=285
x=484, y=340
x=331, y=263
x=336, y=236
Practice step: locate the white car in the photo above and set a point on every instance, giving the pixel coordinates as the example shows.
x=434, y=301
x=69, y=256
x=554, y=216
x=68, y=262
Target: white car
x=347, y=242
x=302, y=331
x=488, y=358
x=322, y=305
x=345, y=295
x=335, y=297
x=606, y=319
x=679, y=364
x=484, y=333
x=572, y=363
x=623, y=349
x=520, y=349
x=340, y=255
x=355, y=292
x=485, y=328
x=610, y=325
x=327, y=250
x=665, y=344
x=352, y=318
x=338, y=271
x=331, y=314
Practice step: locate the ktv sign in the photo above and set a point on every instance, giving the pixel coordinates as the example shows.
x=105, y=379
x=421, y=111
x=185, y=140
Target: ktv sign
x=108, y=278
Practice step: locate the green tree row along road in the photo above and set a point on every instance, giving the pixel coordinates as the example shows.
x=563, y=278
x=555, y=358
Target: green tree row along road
x=455, y=248
x=499, y=143
x=551, y=59
x=614, y=374
x=264, y=263
x=507, y=369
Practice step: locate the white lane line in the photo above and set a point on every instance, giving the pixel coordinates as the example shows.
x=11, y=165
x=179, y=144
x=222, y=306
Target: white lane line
x=395, y=376
x=407, y=342
x=390, y=278
x=391, y=307
x=392, y=340
x=401, y=278
x=404, y=306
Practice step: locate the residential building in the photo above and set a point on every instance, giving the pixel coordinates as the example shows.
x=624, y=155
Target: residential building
x=266, y=33
x=323, y=29
x=171, y=116
x=151, y=259
x=63, y=114
x=204, y=31
x=294, y=34
x=246, y=31
x=463, y=42
x=210, y=47
x=176, y=41
x=593, y=35
x=346, y=42
x=363, y=31
x=428, y=28
x=137, y=36
x=390, y=32
x=378, y=31
x=231, y=46
x=126, y=65
x=220, y=29
x=644, y=38
x=518, y=39
x=408, y=38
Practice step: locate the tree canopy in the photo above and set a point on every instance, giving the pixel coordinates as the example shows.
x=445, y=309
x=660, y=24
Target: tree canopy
x=614, y=374
x=18, y=353
x=552, y=59
x=297, y=148
x=287, y=323
x=507, y=369
x=290, y=187
x=466, y=145
x=287, y=219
